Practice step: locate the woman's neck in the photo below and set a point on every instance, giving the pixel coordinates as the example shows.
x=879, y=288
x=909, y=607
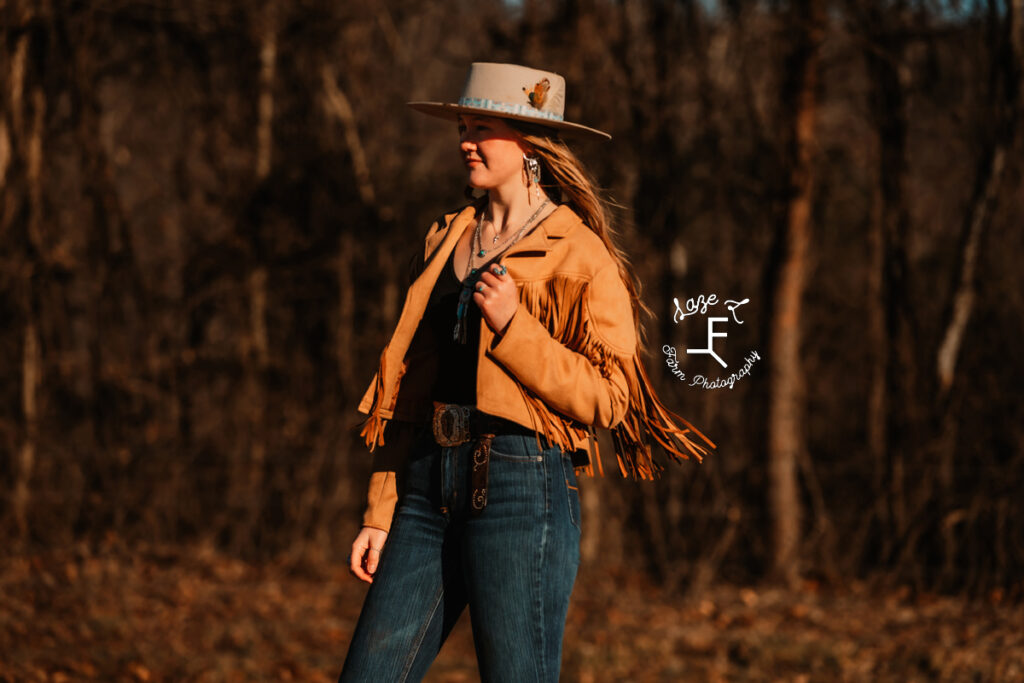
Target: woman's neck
x=510, y=206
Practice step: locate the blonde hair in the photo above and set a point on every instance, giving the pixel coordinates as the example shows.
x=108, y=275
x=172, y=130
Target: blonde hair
x=563, y=173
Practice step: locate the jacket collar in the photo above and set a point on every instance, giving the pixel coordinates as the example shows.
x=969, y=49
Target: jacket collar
x=553, y=228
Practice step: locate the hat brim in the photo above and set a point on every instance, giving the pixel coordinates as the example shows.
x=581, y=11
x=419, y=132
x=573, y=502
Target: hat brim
x=451, y=112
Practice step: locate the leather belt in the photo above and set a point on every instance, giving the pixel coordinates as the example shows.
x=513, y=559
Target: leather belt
x=456, y=424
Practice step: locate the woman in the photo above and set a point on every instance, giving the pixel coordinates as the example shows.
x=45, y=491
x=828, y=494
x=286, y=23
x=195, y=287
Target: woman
x=519, y=335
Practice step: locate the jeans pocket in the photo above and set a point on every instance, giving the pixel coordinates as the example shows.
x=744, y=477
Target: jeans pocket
x=515, y=448
x=571, y=489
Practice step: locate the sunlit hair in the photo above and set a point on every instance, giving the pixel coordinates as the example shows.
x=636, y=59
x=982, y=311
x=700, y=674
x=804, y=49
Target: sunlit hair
x=563, y=174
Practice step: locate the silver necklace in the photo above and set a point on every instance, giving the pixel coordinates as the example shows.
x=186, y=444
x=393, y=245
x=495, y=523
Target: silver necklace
x=468, y=284
x=480, y=252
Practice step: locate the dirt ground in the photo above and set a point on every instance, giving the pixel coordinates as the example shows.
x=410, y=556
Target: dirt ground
x=193, y=614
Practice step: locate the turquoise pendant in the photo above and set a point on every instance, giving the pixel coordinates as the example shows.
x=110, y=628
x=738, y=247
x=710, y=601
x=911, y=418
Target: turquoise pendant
x=481, y=253
x=459, y=331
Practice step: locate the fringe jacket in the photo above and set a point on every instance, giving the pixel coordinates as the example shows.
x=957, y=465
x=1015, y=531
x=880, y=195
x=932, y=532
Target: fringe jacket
x=566, y=363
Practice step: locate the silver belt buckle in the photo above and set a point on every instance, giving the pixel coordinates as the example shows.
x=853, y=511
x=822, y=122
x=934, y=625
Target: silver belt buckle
x=451, y=424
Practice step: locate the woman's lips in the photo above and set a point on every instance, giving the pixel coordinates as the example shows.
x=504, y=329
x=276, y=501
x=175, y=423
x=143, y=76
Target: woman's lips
x=470, y=162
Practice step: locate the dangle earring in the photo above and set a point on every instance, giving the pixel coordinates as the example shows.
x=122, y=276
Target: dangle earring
x=532, y=167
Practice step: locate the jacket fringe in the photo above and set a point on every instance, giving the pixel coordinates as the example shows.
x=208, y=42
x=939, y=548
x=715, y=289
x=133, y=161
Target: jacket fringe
x=646, y=414
x=566, y=324
x=373, y=427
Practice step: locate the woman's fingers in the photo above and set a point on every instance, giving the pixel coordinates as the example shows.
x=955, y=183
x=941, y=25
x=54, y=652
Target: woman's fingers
x=372, y=558
x=357, y=558
x=496, y=281
x=366, y=551
x=495, y=275
x=497, y=297
x=376, y=538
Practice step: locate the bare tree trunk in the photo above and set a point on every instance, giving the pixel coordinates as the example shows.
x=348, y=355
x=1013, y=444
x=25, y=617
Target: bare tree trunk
x=345, y=338
x=17, y=83
x=259, y=352
x=268, y=66
x=878, y=343
x=984, y=200
x=30, y=378
x=884, y=56
x=249, y=496
x=26, y=456
x=895, y=396
x=5, y=150
x=1017, y=39
x=337, y=105
x=963, y=299
x=786, y=427
x=956, y=326
x=1007, y=108
x=31, y=353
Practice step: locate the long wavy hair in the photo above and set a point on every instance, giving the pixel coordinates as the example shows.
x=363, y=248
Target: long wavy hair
x=564, y=178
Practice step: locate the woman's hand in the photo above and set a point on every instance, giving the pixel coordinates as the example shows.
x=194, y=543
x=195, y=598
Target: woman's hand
x=366, y=551
x=497, y=297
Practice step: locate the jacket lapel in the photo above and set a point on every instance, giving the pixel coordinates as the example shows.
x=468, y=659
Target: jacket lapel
x=439, y=245
x=419, y=292
x=547, y=233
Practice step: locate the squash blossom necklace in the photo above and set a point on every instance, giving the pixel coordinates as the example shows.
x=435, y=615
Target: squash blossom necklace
x=469, y=280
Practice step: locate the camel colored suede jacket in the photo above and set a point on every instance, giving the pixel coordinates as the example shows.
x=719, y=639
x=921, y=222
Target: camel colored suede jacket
x=567, y=361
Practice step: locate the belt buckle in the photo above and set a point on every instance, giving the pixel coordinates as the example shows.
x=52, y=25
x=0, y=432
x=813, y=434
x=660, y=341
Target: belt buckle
x=451, y=424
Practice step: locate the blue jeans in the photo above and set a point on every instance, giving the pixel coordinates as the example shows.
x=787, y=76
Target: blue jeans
x=514, y=565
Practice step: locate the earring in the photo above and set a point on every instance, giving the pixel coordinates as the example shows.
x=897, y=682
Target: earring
x=532, y=167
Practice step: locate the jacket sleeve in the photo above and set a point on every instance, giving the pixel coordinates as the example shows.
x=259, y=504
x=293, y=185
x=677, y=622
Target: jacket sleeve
x=382, y=491
x=380, y=501
x=586, y=383
x=388, y=461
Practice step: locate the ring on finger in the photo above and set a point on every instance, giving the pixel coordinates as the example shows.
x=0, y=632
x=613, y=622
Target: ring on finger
x=500, y=270
x=479, y=286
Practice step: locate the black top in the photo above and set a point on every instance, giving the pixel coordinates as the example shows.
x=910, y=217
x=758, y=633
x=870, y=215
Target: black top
x=456, y=372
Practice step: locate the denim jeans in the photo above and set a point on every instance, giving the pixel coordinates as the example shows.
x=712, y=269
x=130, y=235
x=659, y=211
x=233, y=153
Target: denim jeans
x=514, y=565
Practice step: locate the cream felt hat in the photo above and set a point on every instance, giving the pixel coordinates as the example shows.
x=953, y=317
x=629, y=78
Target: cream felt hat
x=516, y=92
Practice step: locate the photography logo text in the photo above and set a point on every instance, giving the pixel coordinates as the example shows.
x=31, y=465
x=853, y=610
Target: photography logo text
x=717, y=327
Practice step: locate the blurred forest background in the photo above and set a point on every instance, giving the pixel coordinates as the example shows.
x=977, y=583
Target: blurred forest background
x=207, y=210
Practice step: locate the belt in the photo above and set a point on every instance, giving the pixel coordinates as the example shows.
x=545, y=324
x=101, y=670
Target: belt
x=456, y=424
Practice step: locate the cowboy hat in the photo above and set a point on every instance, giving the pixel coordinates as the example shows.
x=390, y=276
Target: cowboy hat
x=510, y=91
